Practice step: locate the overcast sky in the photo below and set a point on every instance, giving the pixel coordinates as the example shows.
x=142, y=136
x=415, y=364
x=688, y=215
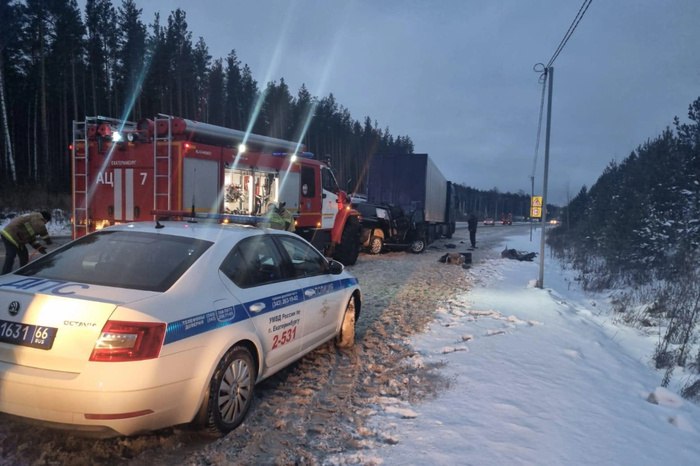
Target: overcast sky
x=457, y=75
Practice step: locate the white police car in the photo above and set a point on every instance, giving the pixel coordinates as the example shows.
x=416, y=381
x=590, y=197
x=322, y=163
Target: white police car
x=147, y=325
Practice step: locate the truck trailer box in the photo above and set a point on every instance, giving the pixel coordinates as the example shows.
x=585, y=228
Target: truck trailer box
x=411, y=181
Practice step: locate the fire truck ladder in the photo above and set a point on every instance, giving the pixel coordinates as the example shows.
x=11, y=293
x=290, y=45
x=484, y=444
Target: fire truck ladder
x=83, y=132
x=162, y=165
x=79, y=176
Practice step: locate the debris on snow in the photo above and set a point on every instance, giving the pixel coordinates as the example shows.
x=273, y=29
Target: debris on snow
x=453, y=349
x=664, y=397
x=405, y=413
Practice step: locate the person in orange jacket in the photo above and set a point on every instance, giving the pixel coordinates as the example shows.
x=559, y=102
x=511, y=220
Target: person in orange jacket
x=21, y=231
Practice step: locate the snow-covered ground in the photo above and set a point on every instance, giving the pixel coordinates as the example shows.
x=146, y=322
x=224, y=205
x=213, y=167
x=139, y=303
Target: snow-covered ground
x=539, y=377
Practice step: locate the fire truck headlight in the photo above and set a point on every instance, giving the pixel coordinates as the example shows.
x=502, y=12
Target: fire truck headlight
x=117, y=136
x=294, y=157
x=241, y=148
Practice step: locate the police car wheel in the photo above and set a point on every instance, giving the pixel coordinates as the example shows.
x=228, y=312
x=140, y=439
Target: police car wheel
x=231, y=390
x=346, y=337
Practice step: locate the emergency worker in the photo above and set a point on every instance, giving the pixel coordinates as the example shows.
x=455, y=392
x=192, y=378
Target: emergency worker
x=272, y=218
x=21, y=231
x=472, y=222
x=287, y=217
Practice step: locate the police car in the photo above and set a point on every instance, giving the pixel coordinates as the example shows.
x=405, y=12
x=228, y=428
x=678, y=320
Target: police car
x=146, y=325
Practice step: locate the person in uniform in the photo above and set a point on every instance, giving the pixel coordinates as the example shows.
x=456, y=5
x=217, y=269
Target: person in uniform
x=23, y=230
x=272, y=218
x=287, y=216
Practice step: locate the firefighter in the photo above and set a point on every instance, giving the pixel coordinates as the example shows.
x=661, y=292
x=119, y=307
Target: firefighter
x=21, y=231
x=286, y=216
x=272, y=218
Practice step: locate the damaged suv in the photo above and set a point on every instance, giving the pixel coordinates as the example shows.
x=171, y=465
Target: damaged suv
x=386, y=227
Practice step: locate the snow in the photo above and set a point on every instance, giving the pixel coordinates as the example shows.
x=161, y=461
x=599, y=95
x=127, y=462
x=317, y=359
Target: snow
x=538, y=376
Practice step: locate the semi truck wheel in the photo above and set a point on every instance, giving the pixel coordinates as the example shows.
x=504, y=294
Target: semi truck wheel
x=418, y=246
x=349, y=248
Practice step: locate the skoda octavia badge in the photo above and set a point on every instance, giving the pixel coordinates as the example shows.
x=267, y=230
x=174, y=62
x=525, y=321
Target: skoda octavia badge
x=13, y=308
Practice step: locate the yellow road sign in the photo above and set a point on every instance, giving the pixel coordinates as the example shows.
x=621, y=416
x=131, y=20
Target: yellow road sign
x=536, y=201
x=535, y=212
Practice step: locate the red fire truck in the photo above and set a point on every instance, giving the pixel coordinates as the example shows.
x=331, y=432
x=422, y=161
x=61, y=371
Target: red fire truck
x=125, y=171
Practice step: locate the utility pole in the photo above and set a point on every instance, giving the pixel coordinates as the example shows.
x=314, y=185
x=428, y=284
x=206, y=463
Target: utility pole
x=549, y=73
x=532, y=194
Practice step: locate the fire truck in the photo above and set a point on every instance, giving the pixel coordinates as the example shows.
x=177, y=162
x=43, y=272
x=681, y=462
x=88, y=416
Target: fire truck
x=168, y=166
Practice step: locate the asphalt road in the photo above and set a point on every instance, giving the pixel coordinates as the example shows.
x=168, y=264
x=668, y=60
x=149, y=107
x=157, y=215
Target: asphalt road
x=486, y=236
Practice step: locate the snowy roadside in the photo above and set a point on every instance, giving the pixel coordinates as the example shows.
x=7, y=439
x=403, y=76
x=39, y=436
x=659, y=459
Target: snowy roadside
x=533, y=377
x=538, y=377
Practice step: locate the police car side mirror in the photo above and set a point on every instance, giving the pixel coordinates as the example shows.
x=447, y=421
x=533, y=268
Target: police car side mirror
x=335, y=267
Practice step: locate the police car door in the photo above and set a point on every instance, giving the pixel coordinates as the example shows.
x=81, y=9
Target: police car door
x=329, y=210
x=255, y=274
x=322, y=292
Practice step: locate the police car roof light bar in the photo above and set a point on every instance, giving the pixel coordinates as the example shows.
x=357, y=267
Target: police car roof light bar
x=221, y=218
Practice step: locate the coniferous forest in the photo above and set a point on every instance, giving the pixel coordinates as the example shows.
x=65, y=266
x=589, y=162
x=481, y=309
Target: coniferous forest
x=59, y=64
x=57, y=68
x=637, y=229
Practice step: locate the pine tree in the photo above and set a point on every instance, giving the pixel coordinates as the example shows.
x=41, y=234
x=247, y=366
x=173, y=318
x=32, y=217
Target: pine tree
x=10, y=53
x=131, y=64
x=215, y=95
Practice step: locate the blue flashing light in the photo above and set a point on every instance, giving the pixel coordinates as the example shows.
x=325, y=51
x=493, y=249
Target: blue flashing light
x=221, y=218
x=306, y=155
x=231, y=218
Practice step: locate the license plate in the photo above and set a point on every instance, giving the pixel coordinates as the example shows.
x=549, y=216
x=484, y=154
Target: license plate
x=34, y=336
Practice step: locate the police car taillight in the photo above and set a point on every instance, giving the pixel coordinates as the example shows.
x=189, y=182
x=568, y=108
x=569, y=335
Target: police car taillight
x=128, y=341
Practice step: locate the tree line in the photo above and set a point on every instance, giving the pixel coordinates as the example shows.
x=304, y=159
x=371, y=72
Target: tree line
x=492, y=203
x=59, y=65
x=56, y=67
x=642, y=215
x=639, y=226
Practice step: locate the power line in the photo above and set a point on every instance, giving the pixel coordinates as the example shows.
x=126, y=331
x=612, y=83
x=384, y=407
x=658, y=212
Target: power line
x=570, y=32
x=543, y=69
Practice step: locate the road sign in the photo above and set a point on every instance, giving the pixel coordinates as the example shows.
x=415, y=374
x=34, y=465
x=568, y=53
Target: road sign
x=536, y=201
x=535, y=212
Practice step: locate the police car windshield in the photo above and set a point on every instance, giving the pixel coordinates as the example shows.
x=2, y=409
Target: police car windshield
x=124, y=259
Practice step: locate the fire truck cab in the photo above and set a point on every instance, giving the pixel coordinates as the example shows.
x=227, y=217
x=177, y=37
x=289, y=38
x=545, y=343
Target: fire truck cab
x=168, y=166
